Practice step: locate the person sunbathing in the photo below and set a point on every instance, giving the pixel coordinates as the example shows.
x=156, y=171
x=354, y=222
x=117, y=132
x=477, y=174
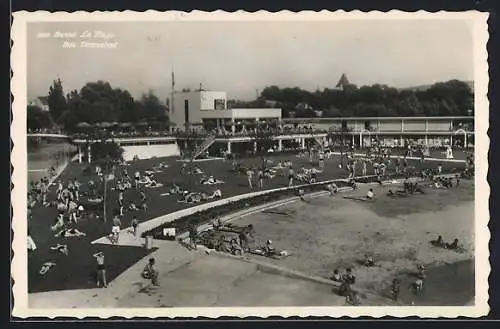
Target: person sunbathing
x=217, y=194
x=332, y=188
x=370, y=195
x=453, y=245
x=269, y=249
x=132, y=206
x=210, y=181
x=369, y=261
x=196, y=171
x=62, y=248
x=59, y=222
x=150, y=272
x=438, y=242
x=72, y=232
x=235, y=247
x=95, y=199
x=46, y=267
x=176, y=189
x=336, y=276
x=153, y=184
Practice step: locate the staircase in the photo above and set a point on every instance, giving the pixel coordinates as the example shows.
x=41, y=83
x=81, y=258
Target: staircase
x=207, y=142
x=319, y=142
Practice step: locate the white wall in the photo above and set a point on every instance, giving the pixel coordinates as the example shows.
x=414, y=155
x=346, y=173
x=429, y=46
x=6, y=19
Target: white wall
x=256, y=113
x=147, y=152
x=208, y=98
x=199, y=102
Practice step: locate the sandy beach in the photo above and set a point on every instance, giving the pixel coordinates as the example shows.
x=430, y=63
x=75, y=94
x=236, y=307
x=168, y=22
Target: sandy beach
x=327, y=233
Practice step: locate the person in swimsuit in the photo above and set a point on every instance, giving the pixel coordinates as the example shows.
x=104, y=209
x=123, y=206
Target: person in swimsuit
x=291, y=175
x=134, y=224
x=260, y=178
x=249, y=178
x=101, y=270
x=62, y=248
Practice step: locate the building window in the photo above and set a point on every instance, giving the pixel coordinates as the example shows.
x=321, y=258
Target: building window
x=186, y=111
x=219, y=104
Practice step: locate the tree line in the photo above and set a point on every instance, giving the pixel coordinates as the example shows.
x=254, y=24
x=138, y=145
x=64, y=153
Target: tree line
x=96, y=102
x=451, y=98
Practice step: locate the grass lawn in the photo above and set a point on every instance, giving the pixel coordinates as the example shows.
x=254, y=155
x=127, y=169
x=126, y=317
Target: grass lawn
x=75, y=270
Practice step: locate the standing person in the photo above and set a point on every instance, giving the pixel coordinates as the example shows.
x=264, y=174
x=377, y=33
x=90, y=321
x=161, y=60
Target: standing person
x=291, y=175
x=137, y=178
x=44, y=193
x=72, y=210
x=59, y=190
x=260, y=177
x=120, y=202
x=144, y=205
x=76, y=187
x=249, y=178
x=101, y=270
x=115, y=230
x=395, y=289
x=363, y=168
x=134, y=224
x=193, y=235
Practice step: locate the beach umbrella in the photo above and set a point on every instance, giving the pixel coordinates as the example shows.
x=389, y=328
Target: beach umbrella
x=84, y=125
x=106, y=124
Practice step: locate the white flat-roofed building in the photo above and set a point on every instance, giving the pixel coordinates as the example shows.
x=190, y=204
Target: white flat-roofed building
x=208, y=110
x=427, y=130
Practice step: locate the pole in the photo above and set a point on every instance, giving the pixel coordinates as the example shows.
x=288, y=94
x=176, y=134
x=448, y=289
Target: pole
x=105, y=188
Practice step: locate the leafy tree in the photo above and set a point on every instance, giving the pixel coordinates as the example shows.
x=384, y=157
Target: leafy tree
x=37, y=118
x=56, y=100
x=107, y=152
x=446, y=98
x=150, y=108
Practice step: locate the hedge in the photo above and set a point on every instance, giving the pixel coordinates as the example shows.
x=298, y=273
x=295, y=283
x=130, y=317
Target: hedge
x=205, y=216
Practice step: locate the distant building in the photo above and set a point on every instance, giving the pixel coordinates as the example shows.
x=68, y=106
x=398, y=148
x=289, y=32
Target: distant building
x=204, y=109
x=41, y=102
x=343, y=82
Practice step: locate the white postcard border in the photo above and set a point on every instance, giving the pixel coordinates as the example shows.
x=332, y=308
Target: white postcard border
x=478, y=22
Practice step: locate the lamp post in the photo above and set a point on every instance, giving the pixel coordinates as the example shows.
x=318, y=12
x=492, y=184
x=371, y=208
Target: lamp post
x=106, y=174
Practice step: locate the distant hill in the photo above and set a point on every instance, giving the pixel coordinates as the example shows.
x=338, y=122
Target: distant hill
x=425, y=87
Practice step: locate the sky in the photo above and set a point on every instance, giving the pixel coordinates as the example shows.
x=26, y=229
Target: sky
x=242, y=58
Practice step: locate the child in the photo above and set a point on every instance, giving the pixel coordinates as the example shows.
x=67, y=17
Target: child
x=134, y=224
